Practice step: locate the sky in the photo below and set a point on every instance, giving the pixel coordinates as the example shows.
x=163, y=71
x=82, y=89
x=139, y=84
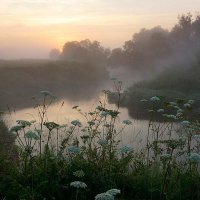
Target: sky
x=31, y=28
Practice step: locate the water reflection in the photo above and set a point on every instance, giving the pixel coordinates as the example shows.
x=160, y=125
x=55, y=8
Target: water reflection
x=62, y=113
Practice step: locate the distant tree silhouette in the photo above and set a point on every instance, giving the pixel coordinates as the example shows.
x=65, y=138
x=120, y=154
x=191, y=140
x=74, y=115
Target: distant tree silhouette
x=54, y=54
x=85, y=51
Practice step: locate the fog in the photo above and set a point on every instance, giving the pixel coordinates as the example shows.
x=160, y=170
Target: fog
x=81, y=69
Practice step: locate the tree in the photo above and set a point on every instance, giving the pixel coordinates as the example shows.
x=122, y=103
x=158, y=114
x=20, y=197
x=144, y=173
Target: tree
x=85, y=51
x=54, y=54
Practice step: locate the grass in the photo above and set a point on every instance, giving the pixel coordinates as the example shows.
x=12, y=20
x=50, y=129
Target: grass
x=172, y=83
x=20, y=79
x=86, y=161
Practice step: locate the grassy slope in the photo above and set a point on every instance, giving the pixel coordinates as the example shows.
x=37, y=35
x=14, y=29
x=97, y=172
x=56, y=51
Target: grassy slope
x=22, y=79
x=172, y=83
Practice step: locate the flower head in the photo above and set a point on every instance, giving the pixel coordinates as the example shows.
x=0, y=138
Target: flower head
x=74, y=149
x=51, y=125
x=160, y=110
x=165, y=156
x=127, y=122
x=91, y=123
x=194, y=157
x=16, y=128
x=24, y=123
x=104, y=196
x=113, y=191
x=185, y=123
x=126, y=149
x=78, y=184
x=76, y=123
x=102, y=142
x=31, y=135
x=155, y=98
x=79, y=173
x=104, y=113
x=187, y=105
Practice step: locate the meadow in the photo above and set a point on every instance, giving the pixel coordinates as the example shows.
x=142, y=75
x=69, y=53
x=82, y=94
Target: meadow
x=89, y=162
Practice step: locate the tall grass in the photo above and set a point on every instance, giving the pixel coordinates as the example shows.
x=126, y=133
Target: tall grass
x=86, y=161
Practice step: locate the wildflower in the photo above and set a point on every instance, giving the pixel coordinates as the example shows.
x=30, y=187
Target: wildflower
x=85, y=138
x=78, y=184
x=75, y=107
x=51, y=125
x=187, y=105
x=39, y=131
x=190, y=101
x=79, y=173
x=180, y=110
x=155, y=98
x=104, y=113
x=127, y=122
x=74, y=149
x=179, y=115
x=197, y=137
x=23, y=123
x=113, y=79
x=63, y=126
x=173, y=103
x=46, y=93
x=31, y=135
x=102, y=142
x=151, y=111
x=76, y=123
x=143, y=100
x=169, y=116
x=165, y=156
x=104, y=196
x=185, y=123
x=16, y=128
x=160, y=110
x=126, y=149
x=194, y=157
x=113, y=192
x=107, y=125
x=91, y=123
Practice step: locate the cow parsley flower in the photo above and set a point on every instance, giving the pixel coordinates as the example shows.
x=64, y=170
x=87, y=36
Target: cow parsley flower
x=16, y=128
x=127, y=122
x=113, y=191
x=194, y=157
x=143, y=100
x=76, y=123
x=165, y=156
x=46, y=93
x=155, y=98
x=104, y=196
x=169, y=116
x=190, y=101
x=160, y=110
x=79, y=173
x=173, y=104
x=74, y=149
x=31, y=135
x=51, y=125
x=24, y=123
x=196, y=137
x=91, y=123
x=78, y=184
x=104, y=113
x=187, y=105
x=185, y=123
x=102, y=142
x=126, y=149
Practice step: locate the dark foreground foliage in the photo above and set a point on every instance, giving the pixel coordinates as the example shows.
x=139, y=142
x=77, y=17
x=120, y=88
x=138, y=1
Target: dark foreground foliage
x=85, y=161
